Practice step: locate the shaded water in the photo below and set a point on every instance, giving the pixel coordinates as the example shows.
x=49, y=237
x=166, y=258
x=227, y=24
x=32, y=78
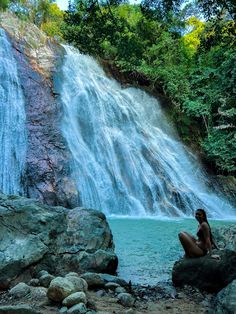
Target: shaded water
x=12, y=121
x=127, y=158
x=148, y=248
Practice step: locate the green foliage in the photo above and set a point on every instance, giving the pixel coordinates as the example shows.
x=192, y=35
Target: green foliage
x=220, y=146
x=4, y=4
x=216, y=8
x=53, y=21
x=196, y=70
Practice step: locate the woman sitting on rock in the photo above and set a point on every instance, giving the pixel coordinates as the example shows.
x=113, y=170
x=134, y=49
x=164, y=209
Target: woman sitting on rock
x=203, y=245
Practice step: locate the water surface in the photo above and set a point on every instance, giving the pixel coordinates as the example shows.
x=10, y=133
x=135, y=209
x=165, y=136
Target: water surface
x=148, y=248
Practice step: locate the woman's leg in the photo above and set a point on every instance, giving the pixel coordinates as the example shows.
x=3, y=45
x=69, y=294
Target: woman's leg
x=189, y=235
x=189, y=244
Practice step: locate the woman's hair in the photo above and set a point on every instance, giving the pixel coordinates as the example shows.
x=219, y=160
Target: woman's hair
x=203, y=212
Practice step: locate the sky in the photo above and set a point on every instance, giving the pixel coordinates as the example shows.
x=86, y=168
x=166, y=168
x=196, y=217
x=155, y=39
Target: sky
x=63, y=4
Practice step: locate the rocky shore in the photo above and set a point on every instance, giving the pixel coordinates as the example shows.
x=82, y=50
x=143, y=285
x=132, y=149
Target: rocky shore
x=58, y=260
x=95, y=293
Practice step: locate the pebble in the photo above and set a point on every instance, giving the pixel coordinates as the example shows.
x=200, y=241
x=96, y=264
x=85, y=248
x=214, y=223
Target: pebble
x=100, y=293
x=20, y=290
x=34, y=282
x=74, y=298
x=126, y=299
x=77, y=309
x=63, y=310
x=45, y=280
x=42, y=273
x=120, y=290
x=112, y=286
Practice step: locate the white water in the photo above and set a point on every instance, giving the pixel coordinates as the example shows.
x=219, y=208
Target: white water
x=12, y=121
x=127, y=159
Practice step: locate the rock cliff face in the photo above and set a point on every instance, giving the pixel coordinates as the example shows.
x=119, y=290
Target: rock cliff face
x=52, y=238
x=47, y=176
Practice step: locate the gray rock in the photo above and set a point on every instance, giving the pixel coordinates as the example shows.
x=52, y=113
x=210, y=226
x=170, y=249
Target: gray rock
x=34, y=282
x=126, y=299
x=45, y=280
x=77, y=309
x=120, y=290
x=111, y=278
x=206, y=273
x=100, y=293
x=18, y=309
x=38, y=293
x=74, y=298
x=225, y=237
x=42, y=273
x=63, y=310
x=60, y=288
x=55, y=238
x=20, y=290
x=112, y=286
x=72, y=274
x=79, y=283
x=129, y=311
x=226, y=300
x=93, y=280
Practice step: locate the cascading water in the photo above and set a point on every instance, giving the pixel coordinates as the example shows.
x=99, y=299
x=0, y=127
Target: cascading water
x=127, y=160
x=12, y=122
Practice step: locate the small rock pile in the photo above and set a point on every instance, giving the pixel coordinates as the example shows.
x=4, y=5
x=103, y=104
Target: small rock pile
x=70, y=293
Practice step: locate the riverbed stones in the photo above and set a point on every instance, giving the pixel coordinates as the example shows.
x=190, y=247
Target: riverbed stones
x=63, y=310
x=42, y=273
x=93, y=280
x=45, y=280
x=100, y=293
x=38, y=293
x=126, y=299
x=72, y=274
x=79, y=283
x=225, y=237
x=60, y=288
x=20, y=290
x=116, y=279
x=206, y=273
x=112, y=286
x=77, y=309
x=74, y=298
x=120, y=290
x=226, y=300
x=34, y=282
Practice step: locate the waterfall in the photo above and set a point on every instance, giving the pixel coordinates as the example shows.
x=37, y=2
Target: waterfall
x=127, y=159
x=12, y=121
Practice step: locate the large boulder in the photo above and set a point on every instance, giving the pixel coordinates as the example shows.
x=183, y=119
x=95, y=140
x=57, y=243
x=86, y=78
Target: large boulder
x=225, y=237
x=52, y=238
x=226, y=300
x=206, y=273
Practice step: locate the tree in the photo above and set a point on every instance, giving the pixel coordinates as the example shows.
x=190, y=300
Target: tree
x=4, y=4
x=215, y=8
